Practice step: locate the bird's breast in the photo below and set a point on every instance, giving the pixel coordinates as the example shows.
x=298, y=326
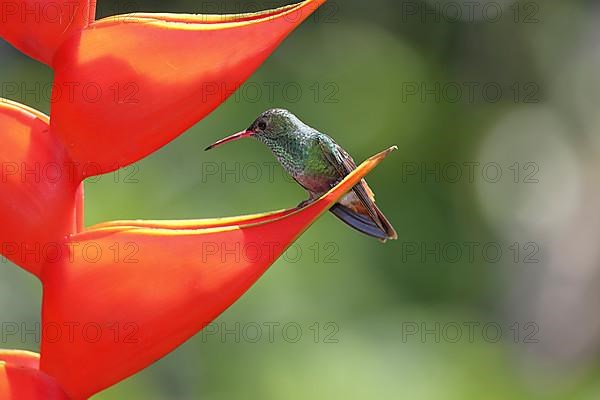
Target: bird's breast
x=315, y=184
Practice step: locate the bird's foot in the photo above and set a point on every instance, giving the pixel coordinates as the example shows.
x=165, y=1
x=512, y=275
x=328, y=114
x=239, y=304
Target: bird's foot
x=305, y=203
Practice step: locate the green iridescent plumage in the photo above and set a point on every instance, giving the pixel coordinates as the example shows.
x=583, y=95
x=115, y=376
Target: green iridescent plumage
x=296, y=145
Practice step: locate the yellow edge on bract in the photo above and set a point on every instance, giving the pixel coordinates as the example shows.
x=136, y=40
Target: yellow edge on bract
x=203, y=21
x=18, y=353
x=211, y=18
x=189, y=223
x=15, y=106
x=98, y=233
x=171, y=228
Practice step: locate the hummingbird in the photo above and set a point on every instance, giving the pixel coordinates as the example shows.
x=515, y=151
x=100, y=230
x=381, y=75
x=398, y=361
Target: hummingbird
x=317, y=163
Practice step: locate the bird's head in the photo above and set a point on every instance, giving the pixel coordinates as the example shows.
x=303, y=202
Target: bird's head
x=270, y=125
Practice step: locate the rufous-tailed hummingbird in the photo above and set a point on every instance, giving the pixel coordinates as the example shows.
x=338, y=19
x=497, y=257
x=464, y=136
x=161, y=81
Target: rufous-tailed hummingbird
x=317, y=163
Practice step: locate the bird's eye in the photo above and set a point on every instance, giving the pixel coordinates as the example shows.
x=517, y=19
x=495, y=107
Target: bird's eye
x=262, y=125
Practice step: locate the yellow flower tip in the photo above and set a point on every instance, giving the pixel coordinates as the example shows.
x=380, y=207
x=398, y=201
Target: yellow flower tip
x=381, y=155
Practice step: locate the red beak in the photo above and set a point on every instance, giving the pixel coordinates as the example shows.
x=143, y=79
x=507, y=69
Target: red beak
x=239, y=135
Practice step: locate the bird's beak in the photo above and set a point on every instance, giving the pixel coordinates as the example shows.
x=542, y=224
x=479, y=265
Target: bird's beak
x=239, y=135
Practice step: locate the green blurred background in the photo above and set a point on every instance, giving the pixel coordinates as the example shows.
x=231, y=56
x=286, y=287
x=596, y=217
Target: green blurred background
x=459, y=88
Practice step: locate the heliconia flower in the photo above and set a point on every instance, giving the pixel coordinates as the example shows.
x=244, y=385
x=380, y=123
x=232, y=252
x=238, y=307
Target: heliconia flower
x=147, y=286
x=21, y=379
x=120, y=295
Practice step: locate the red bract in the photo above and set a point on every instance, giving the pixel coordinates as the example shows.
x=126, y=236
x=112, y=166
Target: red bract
x=20, y=378
x=38, y=28
x=38, y=203
x=124, y=87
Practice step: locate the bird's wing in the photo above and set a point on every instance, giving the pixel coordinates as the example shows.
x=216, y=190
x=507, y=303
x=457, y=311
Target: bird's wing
x=344, y=164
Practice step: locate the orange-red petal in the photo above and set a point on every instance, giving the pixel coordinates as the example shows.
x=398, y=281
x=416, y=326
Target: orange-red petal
x=37, y=192
x=20, y=358
x=38, y=28
x=20, y=378
x=127, y=85
x=155, y=285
